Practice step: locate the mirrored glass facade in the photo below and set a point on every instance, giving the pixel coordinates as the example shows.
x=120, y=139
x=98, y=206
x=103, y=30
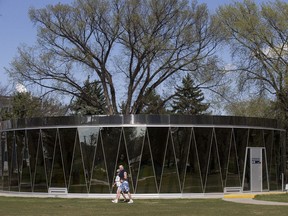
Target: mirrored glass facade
x=162, y=153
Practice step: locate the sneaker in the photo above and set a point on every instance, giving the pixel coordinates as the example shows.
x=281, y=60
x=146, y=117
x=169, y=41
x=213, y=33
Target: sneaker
x=130, y=201
x=115, y=201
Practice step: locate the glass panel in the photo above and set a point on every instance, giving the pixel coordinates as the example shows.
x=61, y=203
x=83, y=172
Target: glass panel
x=233, y=178
x=181, y=140
x=247, y=185
x=48, y=142
x=111, y=138
x=203, y=143
x=193, y=180
x=214, y=182
x=170, y=179
x=158, y=140
x=241, y=140
x=275, y=164
x=23, y=162
x=88, y=139
x=57, y=171
x=256, y=138
x=32, y=142
x=264, y=171
x=77, y=182
x=5, y=169
x=40, y=183
x=67, y=142
x=134, y=138
x=123, y=159
x=14, y=170
x=146, y=180
x=99, y=181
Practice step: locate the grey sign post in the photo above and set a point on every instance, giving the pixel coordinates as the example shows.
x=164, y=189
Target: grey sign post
x=256, y=164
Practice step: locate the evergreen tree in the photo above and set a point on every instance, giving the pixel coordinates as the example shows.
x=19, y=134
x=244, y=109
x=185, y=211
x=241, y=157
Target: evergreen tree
x=91, y=100
x=153, y=104
x=188, y=98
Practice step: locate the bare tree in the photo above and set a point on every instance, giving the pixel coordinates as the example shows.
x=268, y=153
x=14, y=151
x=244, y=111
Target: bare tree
x=130, y=46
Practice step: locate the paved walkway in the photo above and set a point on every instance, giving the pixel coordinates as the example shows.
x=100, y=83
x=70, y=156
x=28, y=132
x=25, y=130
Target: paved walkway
x=248, y=198
x=255, y=202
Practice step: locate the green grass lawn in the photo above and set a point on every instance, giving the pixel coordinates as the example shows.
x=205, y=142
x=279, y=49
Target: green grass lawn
x=273, y=197
x=165, y=207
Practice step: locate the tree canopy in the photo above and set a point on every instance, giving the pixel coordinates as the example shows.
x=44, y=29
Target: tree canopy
x=258, y=36
x=132, y=47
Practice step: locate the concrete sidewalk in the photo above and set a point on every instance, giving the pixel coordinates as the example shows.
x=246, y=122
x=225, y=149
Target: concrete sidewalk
x=254, y=202
x=248, y=198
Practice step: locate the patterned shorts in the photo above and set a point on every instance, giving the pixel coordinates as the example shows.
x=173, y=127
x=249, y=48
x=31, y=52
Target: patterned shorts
x=125, y=187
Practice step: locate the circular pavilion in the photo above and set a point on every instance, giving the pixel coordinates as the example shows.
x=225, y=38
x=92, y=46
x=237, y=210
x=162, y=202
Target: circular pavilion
x=162, y=153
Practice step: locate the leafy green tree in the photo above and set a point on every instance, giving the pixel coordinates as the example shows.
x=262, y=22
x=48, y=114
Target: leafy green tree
x=25, y=105
x=129, y=46
x=257, y=36
x=188, y=98
x=94, y=103
x=255, y=107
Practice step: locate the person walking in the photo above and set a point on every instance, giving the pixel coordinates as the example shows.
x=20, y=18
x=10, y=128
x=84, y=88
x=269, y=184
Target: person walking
x=117, y=183
x=124, y=187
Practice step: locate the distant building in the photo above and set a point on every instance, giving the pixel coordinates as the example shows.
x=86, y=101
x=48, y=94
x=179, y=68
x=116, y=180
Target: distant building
x=5, y=103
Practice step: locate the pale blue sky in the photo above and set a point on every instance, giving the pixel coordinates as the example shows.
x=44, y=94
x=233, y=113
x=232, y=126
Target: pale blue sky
x=16, y=27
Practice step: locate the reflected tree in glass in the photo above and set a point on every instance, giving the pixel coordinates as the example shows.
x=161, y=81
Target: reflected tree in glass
x=193, y=182
x=134, y=139
x=214, y=182
x=111, y=140
x=181, y=140
x=170, y=182
x=48, y=138
x=158, y=140
x=77, y=181
x=40, y=181
x=146, y=182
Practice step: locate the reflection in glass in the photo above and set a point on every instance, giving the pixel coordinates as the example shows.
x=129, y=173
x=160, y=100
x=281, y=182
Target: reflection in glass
x=40, y=182
x=5, y=162
x=134, y=138
x=233, y=178
x=193, y=180
x=181, y=140
x=23, y=162
x=123, y=159
x=241, y=140
x=158, y=139
x=110, y=139
x=88, y=138
x=77, y=180
x=12, y=155
x=214, y=181
x=48, y=138
x=99, y=181
x=169, y=179
x=203, y=138
x=146, y=179
x=67, y=137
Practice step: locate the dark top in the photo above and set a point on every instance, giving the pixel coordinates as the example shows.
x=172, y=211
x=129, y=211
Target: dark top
x=121, y=175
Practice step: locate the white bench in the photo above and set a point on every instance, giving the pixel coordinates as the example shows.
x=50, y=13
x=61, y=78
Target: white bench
x=233, y=189
x=286, y=188
x=57, y=190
